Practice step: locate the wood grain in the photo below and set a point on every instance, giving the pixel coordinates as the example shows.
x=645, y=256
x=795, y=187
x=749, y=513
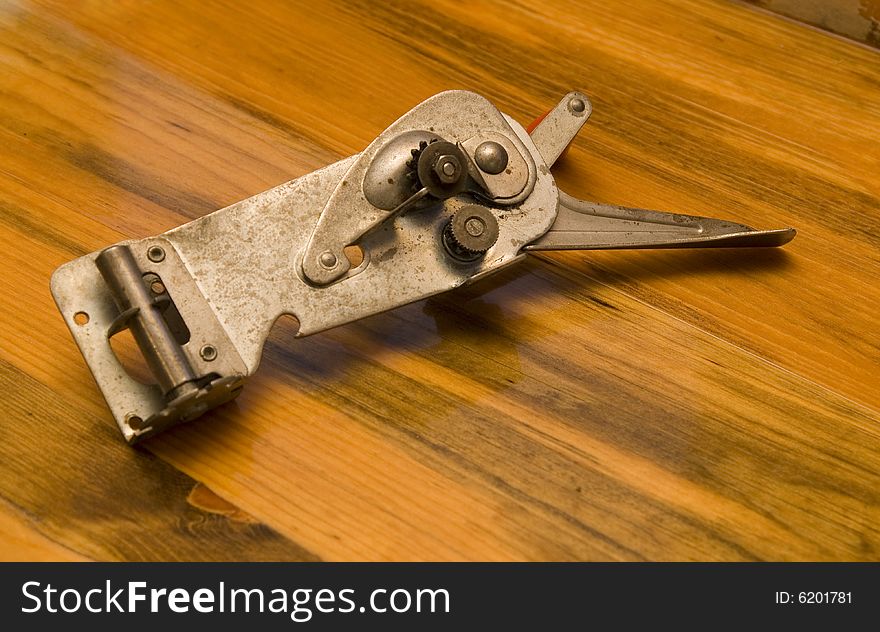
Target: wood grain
x=665, y=405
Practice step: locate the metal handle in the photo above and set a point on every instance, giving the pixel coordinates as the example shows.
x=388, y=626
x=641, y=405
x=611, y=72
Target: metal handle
x=584, y=225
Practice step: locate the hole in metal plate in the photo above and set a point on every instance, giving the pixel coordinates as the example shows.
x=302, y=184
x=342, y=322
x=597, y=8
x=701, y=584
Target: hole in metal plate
x=354, y=254
x=170, y=313
x=134, y=421
x=130, y=357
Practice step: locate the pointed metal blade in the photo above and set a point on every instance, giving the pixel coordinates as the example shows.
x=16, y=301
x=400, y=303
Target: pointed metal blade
x=584, y=225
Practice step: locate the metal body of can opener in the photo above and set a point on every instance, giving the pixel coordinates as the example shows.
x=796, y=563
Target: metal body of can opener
x=451, y=192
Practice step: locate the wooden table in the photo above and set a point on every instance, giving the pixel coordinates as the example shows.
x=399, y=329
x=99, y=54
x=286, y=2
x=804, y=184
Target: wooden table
x=619, y=405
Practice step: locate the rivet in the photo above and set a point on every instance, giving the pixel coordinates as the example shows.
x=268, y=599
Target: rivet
x=491, y=157
x=577, y=105
x=156, y=254
x=208, y=353
x=327, y=260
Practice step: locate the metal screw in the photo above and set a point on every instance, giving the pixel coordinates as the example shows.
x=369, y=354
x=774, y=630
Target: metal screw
x=157, y=287
x=474, y=226
x=208, y=353
x=327, y=259
x=491, y=157
x=156, y=254
x=447, y=168
x=577, y=105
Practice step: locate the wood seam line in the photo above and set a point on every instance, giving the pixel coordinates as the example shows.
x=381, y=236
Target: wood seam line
x=806, y=25
x=32, y=524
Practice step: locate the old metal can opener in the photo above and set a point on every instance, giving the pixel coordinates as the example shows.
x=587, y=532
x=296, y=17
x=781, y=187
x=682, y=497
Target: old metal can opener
x=451, y=192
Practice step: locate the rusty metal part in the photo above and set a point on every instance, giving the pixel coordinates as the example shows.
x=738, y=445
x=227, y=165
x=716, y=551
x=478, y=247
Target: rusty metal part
x=200, y=299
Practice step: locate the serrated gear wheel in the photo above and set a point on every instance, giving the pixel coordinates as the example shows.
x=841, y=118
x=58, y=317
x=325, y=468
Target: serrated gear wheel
x=471, y=232
x=412, y=165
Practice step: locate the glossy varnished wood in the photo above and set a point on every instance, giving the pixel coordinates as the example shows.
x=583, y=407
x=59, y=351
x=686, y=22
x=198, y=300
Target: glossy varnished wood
x=658, y=405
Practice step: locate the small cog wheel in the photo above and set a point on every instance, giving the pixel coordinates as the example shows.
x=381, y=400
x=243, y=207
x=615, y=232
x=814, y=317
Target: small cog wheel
x=412, y=165
x=470, y=233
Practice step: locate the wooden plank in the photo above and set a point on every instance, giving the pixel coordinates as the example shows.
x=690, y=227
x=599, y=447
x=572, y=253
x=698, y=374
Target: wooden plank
x=602, y=406
x=700, y=107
